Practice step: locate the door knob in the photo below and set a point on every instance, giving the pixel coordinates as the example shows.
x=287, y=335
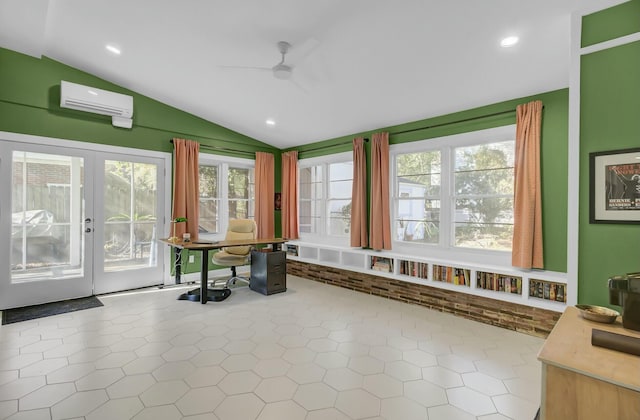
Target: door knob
x=88, y=230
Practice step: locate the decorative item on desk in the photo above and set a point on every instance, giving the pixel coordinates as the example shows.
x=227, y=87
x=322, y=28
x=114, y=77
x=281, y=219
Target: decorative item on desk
x=174, y=239
x=186, y=237
x=598, y=313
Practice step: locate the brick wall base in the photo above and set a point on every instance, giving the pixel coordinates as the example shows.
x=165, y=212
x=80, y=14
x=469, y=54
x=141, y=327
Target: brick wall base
x=533, y=321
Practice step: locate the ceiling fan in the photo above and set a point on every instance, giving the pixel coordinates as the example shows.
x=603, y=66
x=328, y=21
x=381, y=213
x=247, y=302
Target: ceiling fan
x=284, y=70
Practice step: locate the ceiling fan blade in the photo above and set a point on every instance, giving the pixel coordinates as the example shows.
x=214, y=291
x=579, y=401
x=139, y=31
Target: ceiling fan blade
x=299, y=52
x=299, y=86
x=246, y=68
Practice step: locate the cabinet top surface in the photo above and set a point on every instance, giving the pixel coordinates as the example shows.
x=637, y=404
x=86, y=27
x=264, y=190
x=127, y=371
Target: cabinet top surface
x=569, y=346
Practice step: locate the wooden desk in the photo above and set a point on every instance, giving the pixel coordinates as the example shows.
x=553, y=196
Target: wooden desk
x=584, y=382
x=207, y=294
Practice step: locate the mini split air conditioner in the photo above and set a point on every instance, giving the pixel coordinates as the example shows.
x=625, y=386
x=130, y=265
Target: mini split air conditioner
x=98, y=101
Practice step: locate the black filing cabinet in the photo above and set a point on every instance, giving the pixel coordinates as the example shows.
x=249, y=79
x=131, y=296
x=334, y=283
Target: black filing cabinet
x=268, y=271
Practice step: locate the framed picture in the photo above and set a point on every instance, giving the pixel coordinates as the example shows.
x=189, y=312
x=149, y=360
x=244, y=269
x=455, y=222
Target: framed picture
x=614, y=186
x=277, y=201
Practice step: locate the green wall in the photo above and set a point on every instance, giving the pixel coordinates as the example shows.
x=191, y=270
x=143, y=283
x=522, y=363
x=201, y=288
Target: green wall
x=30, y=104
x=609, y=109
x=554, y=155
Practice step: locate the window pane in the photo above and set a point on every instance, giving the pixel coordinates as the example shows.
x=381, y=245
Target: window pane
x=340, y=171
x=491, y=181
x=484, y=210
x=309, y=224
x=485, y=236
x=208, y=216
x=421, y=163
x=239, y=183
x=238, y=209
x=208, y=181
x=419, y=231
x=418, y=209
x=418, y=185
x=339, y=226
x=485, y=156
x=340, y=189
x=418, y=178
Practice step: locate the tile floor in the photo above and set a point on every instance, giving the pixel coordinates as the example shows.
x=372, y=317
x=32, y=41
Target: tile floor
x=316, y=352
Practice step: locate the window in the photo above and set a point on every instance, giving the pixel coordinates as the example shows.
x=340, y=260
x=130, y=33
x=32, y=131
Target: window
x=483, y=196
x=455, y=192
x=325, y=195
x=226, y=192
x=418, y=202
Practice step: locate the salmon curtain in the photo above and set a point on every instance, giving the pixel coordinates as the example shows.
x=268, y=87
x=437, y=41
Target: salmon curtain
x=527, y=208
x=359, y=195
x=265, y=173
x=290, y=195
x=186, y=189
x=380, y=224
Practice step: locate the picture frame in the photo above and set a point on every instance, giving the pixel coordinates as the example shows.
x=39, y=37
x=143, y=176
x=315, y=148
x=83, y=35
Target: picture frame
x=614, y=186
x=277, y=201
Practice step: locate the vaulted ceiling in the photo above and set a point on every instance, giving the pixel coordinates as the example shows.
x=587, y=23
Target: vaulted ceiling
x=357, y=64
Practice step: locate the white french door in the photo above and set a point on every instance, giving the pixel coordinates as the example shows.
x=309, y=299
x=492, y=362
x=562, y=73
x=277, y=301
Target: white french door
x=126, y=222
x=77, y=222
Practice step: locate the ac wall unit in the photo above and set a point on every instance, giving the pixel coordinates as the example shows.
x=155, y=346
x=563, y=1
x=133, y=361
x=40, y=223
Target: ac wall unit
x=97, y=101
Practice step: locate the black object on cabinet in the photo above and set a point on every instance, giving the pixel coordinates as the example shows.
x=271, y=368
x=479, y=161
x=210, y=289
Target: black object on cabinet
x=268, y=271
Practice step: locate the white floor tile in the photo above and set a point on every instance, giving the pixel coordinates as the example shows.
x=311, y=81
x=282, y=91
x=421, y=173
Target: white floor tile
x=317, y=353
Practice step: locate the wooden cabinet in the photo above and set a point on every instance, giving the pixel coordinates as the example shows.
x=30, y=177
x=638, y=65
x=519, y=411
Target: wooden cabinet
x=584, y=382
x=268, y=271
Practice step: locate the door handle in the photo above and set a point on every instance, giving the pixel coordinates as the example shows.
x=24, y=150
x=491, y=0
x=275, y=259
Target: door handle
x=88, y=230
x=87, y=220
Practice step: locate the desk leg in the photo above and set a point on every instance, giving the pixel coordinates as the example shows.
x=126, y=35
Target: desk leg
x=204, y=274
x=178, y=263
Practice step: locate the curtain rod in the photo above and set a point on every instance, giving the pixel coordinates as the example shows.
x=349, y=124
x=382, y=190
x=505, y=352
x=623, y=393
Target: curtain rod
x=226, y=149
x=328, y=146
x=479, y=117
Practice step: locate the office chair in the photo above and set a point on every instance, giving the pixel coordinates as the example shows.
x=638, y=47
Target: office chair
x=234, y=256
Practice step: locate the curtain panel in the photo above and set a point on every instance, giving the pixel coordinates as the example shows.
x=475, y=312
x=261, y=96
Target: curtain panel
x=264, y=175
x=380, y=223
x=186, y=189
x=359, y=234
x=290, y=195
x=527, y=213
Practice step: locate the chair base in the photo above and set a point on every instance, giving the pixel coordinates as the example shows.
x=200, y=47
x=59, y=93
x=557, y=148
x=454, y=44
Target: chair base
x=234, y=277
x=216, y=295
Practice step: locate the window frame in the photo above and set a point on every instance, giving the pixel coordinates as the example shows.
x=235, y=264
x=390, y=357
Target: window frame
x=445, y=248
x=323, y=231
x=224, y=163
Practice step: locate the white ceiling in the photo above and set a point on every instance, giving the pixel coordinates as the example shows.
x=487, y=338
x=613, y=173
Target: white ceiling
x=359, y=64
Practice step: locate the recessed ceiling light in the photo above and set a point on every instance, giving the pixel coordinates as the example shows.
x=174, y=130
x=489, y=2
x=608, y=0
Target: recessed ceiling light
x=270, y=122
x=509, y=41
x=113, y=49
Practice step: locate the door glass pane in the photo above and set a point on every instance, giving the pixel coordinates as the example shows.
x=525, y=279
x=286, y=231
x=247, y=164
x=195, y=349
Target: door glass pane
x=130, y=200
x=47, y=239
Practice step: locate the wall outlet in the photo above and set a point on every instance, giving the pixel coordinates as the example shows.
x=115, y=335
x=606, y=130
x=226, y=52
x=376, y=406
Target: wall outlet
x=192, y=259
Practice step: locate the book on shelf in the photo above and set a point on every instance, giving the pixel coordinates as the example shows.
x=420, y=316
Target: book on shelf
x=499, y=282
x=383, y=264
x=547, y=290
x=292, y=250
x=454, y=275
x=413, y=269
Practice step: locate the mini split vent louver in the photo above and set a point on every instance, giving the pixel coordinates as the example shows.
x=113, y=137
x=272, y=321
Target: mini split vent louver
x=98, y=101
